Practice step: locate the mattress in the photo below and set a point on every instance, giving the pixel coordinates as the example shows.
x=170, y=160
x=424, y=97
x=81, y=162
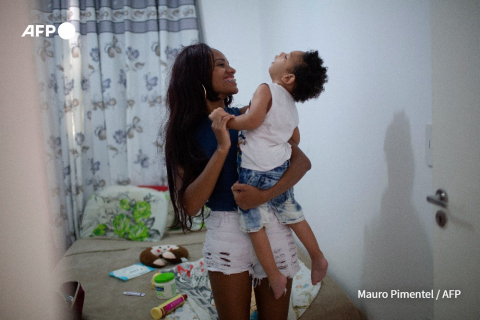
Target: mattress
x=90, y=260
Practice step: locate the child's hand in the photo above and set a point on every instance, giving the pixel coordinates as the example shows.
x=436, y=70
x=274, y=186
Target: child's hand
x=219, y=126
x=219, y=114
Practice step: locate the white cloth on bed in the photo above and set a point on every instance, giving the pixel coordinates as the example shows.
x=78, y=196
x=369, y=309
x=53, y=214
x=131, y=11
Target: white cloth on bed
x=192, y=279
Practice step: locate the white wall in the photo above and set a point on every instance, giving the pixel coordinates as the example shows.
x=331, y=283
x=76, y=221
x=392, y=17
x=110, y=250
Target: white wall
x=26, y=258
x=232, y=27
x=365, y=195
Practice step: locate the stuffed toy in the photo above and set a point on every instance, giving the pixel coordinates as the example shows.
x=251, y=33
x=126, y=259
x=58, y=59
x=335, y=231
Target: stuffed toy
x=158, y=256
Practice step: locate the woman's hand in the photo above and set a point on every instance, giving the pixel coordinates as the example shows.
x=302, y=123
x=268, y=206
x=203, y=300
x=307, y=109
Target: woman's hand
x=248, y=197
x=219, y=118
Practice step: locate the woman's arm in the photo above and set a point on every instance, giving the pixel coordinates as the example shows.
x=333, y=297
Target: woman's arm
x=248, y=197
x=198, y=192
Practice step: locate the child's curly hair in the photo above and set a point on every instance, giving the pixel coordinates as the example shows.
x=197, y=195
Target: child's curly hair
x=310, y=76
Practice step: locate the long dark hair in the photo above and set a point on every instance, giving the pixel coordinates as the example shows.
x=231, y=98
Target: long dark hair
x=191, y=73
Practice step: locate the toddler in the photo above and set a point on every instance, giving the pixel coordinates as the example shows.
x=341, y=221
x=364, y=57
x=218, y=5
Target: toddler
x=268, y=125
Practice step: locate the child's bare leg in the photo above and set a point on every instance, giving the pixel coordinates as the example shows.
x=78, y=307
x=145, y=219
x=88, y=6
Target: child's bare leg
x=263, y=250
x=319, y=263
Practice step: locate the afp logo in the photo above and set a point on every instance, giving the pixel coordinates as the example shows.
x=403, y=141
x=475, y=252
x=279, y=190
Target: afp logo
x=66, y=30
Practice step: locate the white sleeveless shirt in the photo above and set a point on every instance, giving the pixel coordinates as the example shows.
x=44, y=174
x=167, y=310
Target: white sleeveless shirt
x=267, y=147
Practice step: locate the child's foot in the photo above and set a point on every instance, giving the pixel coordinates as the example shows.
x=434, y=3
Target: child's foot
x=319, y=269
x=278, y=285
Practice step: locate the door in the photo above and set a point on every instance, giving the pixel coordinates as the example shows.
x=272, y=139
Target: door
x=455, y=27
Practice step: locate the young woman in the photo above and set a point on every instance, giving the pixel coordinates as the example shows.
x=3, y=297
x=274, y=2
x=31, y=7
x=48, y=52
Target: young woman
x=202, y=169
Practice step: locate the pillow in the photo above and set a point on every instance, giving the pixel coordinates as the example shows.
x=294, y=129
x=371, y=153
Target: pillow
x=128, y=212
x=197, y=222
x=171, y=213
x=158, y=188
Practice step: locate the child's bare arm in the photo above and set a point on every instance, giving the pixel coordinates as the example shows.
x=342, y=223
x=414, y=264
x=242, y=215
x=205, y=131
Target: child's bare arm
x=261, y=103
x=244, y=109
x=296, y=136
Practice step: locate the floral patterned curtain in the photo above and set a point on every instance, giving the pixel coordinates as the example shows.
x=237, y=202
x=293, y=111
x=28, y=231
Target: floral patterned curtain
x=103, y=96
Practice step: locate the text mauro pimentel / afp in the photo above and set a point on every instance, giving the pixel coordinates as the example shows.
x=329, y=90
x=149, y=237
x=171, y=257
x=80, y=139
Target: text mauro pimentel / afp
x=397, y=294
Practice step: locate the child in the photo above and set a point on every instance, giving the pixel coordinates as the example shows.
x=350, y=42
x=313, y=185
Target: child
x=267, y=126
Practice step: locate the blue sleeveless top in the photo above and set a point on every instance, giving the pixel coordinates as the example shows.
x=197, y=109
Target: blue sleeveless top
x=221, y=198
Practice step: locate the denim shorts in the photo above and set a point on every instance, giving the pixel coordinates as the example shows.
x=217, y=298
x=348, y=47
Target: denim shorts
x=286, y=209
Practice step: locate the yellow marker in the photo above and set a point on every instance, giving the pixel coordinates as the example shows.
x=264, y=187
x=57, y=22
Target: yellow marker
x=167, y=307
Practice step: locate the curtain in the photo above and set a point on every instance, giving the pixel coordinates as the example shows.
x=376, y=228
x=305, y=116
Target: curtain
x=103, y=96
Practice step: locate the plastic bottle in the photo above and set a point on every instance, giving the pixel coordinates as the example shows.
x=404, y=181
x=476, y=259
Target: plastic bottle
x=165, y=287
x=167, y=307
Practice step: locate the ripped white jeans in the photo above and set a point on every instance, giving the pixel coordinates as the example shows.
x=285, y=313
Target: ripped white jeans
x=229, y=250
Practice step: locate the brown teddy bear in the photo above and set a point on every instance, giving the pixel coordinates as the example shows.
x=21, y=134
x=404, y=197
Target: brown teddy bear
x=158, y=256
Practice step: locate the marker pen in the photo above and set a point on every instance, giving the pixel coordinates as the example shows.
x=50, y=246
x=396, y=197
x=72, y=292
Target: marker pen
x=167, y=307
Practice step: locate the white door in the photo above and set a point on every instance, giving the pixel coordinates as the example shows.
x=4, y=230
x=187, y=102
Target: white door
x=455, y=27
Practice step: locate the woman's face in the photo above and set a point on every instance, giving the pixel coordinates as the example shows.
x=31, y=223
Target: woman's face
x=223, y=80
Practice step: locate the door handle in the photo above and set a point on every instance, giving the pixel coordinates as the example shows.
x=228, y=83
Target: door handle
x=440, y=198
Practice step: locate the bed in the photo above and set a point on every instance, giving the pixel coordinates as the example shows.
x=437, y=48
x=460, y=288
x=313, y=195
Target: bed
x=90, y=260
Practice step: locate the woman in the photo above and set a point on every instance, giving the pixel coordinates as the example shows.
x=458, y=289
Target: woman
x=202, y=169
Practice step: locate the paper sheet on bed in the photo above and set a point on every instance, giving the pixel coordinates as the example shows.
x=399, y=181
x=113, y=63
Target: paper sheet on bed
x=192, y=279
